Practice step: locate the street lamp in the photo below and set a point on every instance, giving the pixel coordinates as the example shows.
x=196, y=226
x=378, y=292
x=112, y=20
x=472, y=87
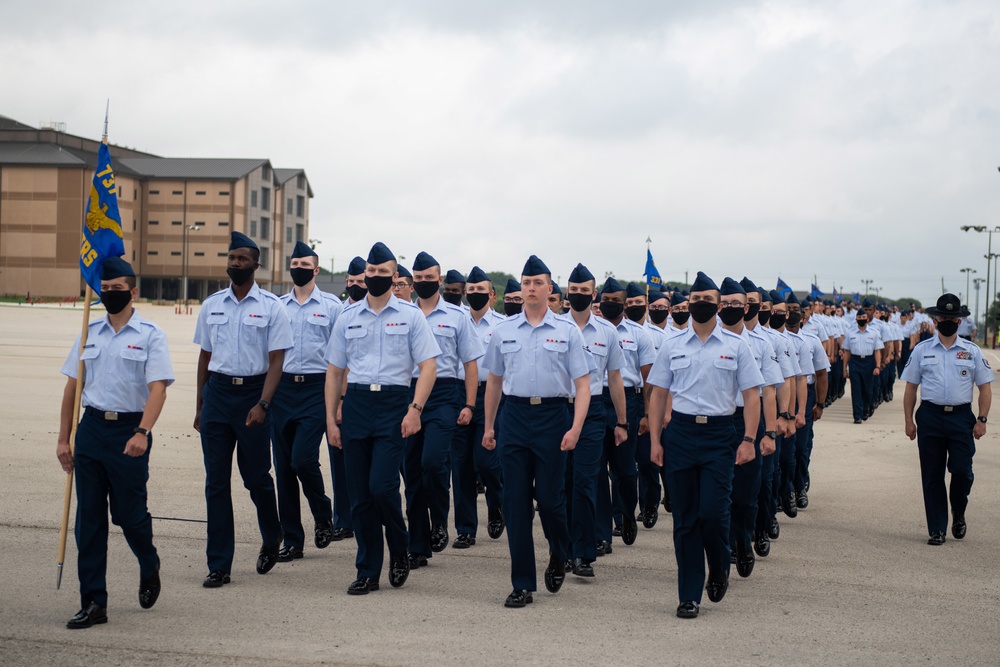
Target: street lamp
x=977, y=282
x=184, y=264
x=989, y=249
x=867, y=282
x=967, y=271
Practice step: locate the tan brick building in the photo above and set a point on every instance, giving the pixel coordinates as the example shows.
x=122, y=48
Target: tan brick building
x=176, y=215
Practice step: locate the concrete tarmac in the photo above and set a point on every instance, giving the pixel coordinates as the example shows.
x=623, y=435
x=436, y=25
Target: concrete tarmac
x=850, y=581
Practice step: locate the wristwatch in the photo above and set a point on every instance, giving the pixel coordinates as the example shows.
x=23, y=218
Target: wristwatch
x=982, y=418
x=747, y=438
x=264, y=404
x=624, y=426
x=773, y=435
x=788, y=416
x=471, y=408
x=417, y=407
x=139, y=429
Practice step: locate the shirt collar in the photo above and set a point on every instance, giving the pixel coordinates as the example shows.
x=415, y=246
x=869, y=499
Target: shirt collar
x=392, y=303
x=254, y=293
x=134, y=322
x=315, y=295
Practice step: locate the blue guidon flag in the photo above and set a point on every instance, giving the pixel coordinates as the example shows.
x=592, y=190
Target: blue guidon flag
x=652, y=275
x=102, y=228
x=783, y=289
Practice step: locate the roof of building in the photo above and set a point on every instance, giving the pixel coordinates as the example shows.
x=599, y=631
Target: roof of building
x=37, y=154
x=282, y=176
x=198, y=168
x=11, y=124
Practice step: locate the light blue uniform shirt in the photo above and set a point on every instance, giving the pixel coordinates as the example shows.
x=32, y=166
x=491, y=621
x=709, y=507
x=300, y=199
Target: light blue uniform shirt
x=862, y=343
x=946, y=376
x=965, y=327
x=239, y=334
x=541, y=361
x=820, y=361
x=767, y=361
x=789, y=364
x=816, y=328
x=484, y=331
x=383, y=348
x=705, y=378
x=311, y=324
x=797, y=346
x=637, y=351
x=452, y=329
x=118, y=367
x=600, y=340
x=656, y=335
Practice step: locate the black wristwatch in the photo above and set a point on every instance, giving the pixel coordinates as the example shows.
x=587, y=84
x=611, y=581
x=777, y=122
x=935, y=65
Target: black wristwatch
x=416, y=406
x=624, y=426
x=773, y=435
x=471, y=408
x=788, y=416
x=139, y=429
x=264, y=404
x=982, y=418
x=747, y=438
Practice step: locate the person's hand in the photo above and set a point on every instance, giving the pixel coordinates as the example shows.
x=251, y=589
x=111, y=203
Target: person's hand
x=489, y=440
x=136, y=445
x=569, y=440
x=644, y=425
x=340, y=412
x=621, y=435
x=979, y=430
x=745, y=453
x=877, y=371
x=333, y=434
x=656, y=453
x=256, y=415
x=911, y=430
x=64, y=455
x=197, y=420
x=767, y=446
x=411, y=423
x=800, y=419
x=464, y=416
x=817, y=412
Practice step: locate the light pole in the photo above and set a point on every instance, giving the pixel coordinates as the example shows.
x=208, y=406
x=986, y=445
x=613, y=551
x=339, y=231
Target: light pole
x=184, y=264
x=989, y=251
x=967, y=271
x=867, y=282
x=977, y=282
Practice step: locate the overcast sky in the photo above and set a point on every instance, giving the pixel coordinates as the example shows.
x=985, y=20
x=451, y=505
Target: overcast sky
x=845, y=140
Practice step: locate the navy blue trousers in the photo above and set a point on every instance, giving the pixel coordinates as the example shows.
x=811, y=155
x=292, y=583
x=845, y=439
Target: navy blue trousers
x=223, y=429
x=862, y=384
x=469, y=459
x=581, y=484
x=298, y=422
x=427, y=465
x=746, y=487
x=766, y=499
x=105, y=476
x=804, y=444
x=373, y=453
x=620, y=460
x=699, y=459
x=533, y=468
x=945, y=441
x=341, y=497
x=649, y=473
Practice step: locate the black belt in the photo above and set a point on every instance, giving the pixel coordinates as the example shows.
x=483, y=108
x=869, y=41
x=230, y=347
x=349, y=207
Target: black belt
x=238, y=381
x=309, y=378
x=701, y=419
x=357, y=386
x=628, y=390
x=538, y=400
x=739, y=411
x=946, y=408
x=113, y=416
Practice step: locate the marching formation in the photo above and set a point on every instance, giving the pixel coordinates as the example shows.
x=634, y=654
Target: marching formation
x=593, y=406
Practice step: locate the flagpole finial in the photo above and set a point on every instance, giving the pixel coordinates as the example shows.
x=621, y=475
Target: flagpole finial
x=107, y=106
x=648, y=240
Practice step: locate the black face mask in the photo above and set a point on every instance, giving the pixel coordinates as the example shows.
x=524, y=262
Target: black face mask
x=510, y=309
x=477, y=300
x=862, y=323
x=752, y=312
x=579, y=302
x=240, y=277
x=764, y=316
x=658, y=316
x=611, y=310
x=703, y=311
x=635, y=313
x=778, y=320
x=379, y=285
x=453, y=299
x=794, y=319
x=946, y=327
x=731, y=316
x=680, y=318
x=357, y=292
x=115, y=301
x=301, y=276
x=425, y=289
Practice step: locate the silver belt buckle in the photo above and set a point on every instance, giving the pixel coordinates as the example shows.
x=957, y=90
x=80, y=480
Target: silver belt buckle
x=949, y=408
x=300, y=378
x=701, y=419
x=535, y=400
x=572, y=400
x=374, y=387
x=238, y=381
x=111, y=416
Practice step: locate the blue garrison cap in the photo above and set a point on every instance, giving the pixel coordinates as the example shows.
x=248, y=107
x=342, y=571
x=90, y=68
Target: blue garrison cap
x=512, y=286
x=775, y=297
x=791, y=298
x=656, y=295
x=748, y=285
x=807, y=301
x=703, y=283
x=238, y=240
x=686, y=292
x=730, y=286
x=116, y=267
x=632, y=290
x=556, y=289
x=424, y=261
x=597, y=296
x=477, y=275
x=403, y=271
x=303, y=250
x=867, y=303
x=379, y=254
x=356, y=267
x=766, y=296
x=677, y=298
x=453, y=276
x=611, y=285
x=535, y=267
x=580, y=274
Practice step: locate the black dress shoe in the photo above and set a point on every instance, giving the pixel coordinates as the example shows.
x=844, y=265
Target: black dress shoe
x=801, y=500
x=215, y=579
x=718, y=584
x=463, y=541
x=149, y=589
x=616, y=531
x=958, y=526
x=745, y=560
x=288, y=554
x=91, y=615
x=936, y=539
x=687, y=609
x=666, y=505
x=603, y=548
x=480, y=488
x=732, y=556
x=518, y=599
x=341, y=534
x=788, y=506
x=495, y=524
x=857, y=421
x=630, y=529
x=439, y=538
x=399, y=569
x=649, y=517
x=416, y=561
x=362, y=586
x=582, y=568
x=555, y=575
x=267, y=559
x=323, y=534
x=762, y=544
x=774, y=530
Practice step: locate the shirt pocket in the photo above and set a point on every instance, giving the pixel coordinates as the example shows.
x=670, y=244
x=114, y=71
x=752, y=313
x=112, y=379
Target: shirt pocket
x=965, y=369
x=600, y=353
x=555, y=354
x=357, y=343
x=218, y=329
x=630, y=346
x=318, y=329
x=134, y=362
x=511, y=351
x=398, y=339
x=254, y=329
x=90, y=357
x=445, y=337
x=724, y=376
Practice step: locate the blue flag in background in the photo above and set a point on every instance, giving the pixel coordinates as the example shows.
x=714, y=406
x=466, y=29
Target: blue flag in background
x=856, y=297
x=783, y=289
x=102, y=228
x=652, y=275
x=816, y=292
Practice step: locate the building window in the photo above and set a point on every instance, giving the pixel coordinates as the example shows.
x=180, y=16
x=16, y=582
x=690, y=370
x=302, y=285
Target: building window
x=178, y=192
x=264, y=252
x=253, y=198
x=253, y=228
x=265, y=173
x=153, y=252
x=265, y=199
x=288, y=260
x=300, y=206
x=300, y=231
x=154, y=222
x=154, y=192
x=199, y=254
x=288, y=235
x=176, y=223
x=288, y=206
x=119, y=191
x=175, y=253
x=199, y=192
x=223, y=193
x=133, y=225
x=265, y=227
x=223, y=254
x=223, y=223
x=301, y=181
x=199, y=224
